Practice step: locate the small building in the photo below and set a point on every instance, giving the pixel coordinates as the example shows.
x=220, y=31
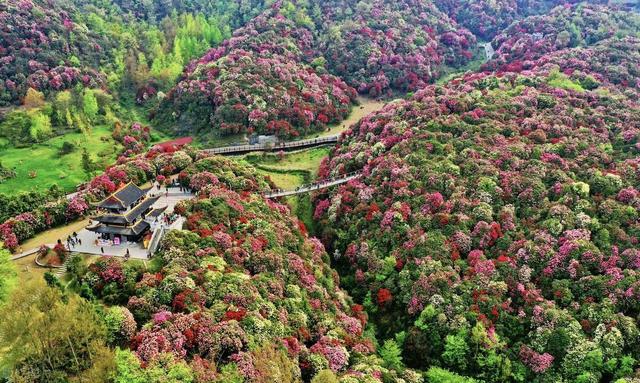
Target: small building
x=125, y=215
x=262, y=140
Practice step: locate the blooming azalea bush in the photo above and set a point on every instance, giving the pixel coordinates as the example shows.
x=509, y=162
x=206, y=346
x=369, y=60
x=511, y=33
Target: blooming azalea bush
x=134, y=139
x=497, y=219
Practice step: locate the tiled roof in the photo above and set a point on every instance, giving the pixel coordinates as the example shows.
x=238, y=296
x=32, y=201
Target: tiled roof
x=129, y=216
x=136, y=229
x=122, y=198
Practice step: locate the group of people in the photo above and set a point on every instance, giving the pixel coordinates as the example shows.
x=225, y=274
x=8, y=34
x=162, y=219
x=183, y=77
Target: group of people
x=73, y=240
x=166, y=219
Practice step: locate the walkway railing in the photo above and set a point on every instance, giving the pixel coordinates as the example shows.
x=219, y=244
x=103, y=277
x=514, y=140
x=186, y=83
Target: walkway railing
x=318, y=185
x=157, y=235
x=239, y=149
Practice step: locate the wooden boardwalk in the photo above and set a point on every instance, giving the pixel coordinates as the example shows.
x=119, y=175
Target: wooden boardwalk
x=271, y=147
x=323, y=184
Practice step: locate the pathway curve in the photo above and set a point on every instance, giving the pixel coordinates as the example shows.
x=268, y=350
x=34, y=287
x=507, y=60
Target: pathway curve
x=318, y=185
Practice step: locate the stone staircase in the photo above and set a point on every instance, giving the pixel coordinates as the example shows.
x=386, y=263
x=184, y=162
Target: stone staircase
x=60, y=272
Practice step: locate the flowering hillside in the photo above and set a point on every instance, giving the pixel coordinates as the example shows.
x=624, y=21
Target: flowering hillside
x=41, y=47
x=257, y=82
x=498, y=221
x=518, y=46
x=241, y=287
x=398, y=45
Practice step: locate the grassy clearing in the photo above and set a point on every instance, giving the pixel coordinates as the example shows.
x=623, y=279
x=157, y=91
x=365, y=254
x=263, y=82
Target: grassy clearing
x=307, y=160
x=28, y=270
x=51, y=236
x=285, y=181
x=51, y=168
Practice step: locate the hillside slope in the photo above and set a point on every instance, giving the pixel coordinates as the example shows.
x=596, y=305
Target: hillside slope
x=497, y=219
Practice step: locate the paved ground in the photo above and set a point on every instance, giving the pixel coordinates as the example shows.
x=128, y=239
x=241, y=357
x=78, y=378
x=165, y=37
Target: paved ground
x=174, y=196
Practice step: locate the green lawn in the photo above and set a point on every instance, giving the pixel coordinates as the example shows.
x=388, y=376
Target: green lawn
x=308, y=160
x=51, y=168
x=285, y=181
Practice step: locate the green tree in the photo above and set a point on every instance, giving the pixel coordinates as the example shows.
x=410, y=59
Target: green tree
x=90, y=104
x=8, y=274
x=325, y=376
x=33, y=99
x=40, y=127
x=456, y=351
x=48, y=336
x=62, y=106
x=439, y=375
x=128, y=369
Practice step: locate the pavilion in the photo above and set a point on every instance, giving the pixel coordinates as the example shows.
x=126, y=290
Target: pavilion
x=126, y=215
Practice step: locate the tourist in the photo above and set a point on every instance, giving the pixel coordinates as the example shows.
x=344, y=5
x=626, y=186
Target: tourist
x=102, y=250
x=79, y=241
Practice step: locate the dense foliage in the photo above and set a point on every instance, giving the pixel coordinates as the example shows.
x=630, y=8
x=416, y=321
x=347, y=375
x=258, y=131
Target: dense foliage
x=238, y=11
x=399, y=45
x=257, y=82
x=493, y=235
x=53, y=337
x=520, y=45
x=497, y=220
x=487, y=18
x=56, y=45
x=41, y=47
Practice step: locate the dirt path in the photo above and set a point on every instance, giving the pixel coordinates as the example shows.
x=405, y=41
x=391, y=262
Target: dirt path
x=367, y=105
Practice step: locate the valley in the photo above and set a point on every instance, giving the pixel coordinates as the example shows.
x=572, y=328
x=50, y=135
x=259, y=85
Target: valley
x=312, y=191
